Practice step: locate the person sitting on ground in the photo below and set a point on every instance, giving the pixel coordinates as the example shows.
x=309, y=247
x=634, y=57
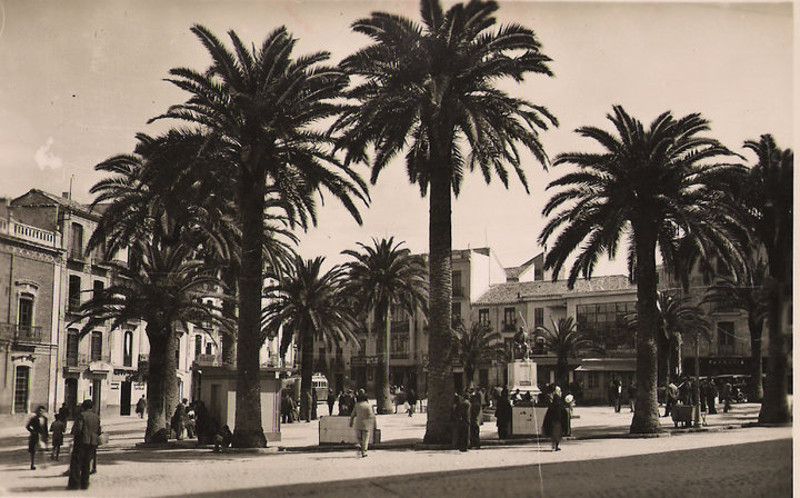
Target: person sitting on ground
x=223, y=439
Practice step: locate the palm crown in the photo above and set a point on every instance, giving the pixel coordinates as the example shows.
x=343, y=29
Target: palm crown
x=432, y=86
x=657, y=178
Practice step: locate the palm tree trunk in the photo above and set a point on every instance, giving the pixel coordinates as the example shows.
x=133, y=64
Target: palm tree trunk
x=756, y=361
x=775, y=406
x=157, y=379
x=382, y=394
x=562, y=369
x=248, y=432
x=228, y=340
x=663, y=359
x=440, y=371
x=306, y=373
x=645, y=418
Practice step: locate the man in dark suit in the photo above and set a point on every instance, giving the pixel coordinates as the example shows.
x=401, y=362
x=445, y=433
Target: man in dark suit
x=37, y=427
x=86, y=431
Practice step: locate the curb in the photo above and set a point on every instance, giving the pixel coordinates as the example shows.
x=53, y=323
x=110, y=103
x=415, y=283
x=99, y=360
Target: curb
x=419, y=446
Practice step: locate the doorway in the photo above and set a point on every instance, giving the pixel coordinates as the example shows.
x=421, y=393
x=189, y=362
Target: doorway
x=97, y=397
x=71, y=395
x=125, y=398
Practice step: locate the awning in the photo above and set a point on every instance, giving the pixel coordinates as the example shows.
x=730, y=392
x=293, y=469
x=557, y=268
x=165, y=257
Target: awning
x=607, y=365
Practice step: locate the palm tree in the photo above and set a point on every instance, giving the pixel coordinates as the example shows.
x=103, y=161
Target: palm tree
x=258, y=108
x=651, y=186
x=164, y=287
x=475, y=346
x=383, y=276
x=305, y=305
x=768, y=194
x=566, y=341
x=430, y=92
x=745, y=292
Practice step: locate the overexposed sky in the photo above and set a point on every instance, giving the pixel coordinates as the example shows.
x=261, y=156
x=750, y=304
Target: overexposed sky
x=78, y=79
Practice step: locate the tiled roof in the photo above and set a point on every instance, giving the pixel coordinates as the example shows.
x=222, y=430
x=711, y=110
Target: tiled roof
x=515, y=291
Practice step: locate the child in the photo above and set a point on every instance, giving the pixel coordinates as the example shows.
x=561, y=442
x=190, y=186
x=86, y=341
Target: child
x=57, y=428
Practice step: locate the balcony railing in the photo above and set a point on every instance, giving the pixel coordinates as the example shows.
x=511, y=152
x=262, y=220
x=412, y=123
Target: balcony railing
x=30, y=233
x=206, y=360
x=458, y=292
x=77, y=360
x=73, y=304
x=21, y=333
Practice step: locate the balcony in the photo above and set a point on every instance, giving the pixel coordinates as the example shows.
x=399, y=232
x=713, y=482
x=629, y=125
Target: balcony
x=399, y=355
x=458, y=292
x=73, y=304
x=80, y=360
x=207, y=360
x=21, y=333
x=510, y=325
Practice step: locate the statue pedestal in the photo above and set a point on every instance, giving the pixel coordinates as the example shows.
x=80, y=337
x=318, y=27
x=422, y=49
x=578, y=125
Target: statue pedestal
x=522, y=376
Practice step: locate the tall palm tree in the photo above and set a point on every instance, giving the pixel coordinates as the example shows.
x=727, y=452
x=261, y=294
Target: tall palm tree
x=566, y=341
x=307, y=304
x=768, y=193
x=429, y=91
x=651, y=186
x=745, y=292
x=163, y=286
x=476, y=346
x=259, y=107
x=383, y=276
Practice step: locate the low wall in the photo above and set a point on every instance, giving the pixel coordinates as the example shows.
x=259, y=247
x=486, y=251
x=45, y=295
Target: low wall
x=527, y=420
x=337, y=430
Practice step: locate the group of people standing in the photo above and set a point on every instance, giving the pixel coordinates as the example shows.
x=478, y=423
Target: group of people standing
x=86, y=431
x=557, y=419
x=683, y=391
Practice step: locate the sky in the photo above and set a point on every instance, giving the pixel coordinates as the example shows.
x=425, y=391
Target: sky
x=79, y=79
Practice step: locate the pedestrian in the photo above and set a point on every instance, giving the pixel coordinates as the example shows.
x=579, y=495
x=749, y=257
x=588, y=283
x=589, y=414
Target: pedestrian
x=461, y=419
x=86, y=431
x=411, y=397
x=178, y=421
x=569, y=404
x=503, y=414
x=305, y=406
x=555, y=420
x=362, y=420
x=475, y=415
x=711, y=397
x=314, y=402
x=632, y=392
x=58, y=427
x=331, y=402
x=63, y=413
x=672, y=398
x=190, y=421
x=37, y=429
x=616, y=394
x=726, y=396
x=141, y=405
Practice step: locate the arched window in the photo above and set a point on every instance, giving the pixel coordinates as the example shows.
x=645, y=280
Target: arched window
x=127, y=349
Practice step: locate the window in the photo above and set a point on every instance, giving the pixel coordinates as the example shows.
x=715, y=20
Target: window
x=76, y=249
x=483, y=316
x=97, y=288
x=127, y=349
x=538, y=317
x=509, y=319
x=72, y=347
x=209, y=349
x=456, y=310
x=726, y=335
x=198, y=345
x=74, y=298
x=25, y=312
x=458, y=290
x=21, y=389
x=605, y=323
x=97, y=346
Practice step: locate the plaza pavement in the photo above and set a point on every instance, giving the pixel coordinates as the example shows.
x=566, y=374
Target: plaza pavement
x=125, y=469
